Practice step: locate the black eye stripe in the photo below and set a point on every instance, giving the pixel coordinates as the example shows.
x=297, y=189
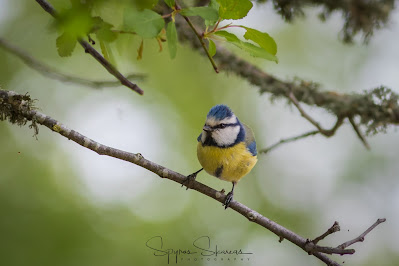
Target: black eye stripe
x=224, y=125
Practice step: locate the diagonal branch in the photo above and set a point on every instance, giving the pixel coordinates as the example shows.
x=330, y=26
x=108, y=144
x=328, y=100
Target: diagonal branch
x=359, y=133
x=52, y=73
x=282, y=141
x=93, y=52
x=362, y=236
x=19, y=109
x=327, y=133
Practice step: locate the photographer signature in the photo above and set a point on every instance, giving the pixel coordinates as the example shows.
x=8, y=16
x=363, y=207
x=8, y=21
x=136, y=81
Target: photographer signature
x=201, y=247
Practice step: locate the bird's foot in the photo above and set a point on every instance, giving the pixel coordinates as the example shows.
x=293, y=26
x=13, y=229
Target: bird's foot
x=228, y=199
x=189, y=179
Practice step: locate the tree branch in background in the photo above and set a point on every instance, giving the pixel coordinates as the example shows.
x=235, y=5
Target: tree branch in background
x=331, y=132
x=325, y=132
x=360, y=15
x=377, y=109
x=19, y=109
x=359, y=133
x=93, y=52
x=275, y=145
x=52, y=73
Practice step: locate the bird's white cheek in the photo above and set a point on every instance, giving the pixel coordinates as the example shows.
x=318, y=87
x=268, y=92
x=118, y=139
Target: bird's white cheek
x=226, y=136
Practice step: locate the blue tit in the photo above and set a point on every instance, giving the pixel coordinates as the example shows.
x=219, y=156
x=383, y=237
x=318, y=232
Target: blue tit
x=226, y=147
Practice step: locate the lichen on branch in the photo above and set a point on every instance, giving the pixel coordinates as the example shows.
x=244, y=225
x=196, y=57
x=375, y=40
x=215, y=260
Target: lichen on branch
x=8, y=101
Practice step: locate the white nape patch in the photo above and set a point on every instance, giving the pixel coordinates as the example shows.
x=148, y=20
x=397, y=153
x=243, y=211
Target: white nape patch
x=226, y=136
x=212, y=121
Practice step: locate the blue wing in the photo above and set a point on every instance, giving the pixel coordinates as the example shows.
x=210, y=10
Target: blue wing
x=252, y=148
x=250, y=140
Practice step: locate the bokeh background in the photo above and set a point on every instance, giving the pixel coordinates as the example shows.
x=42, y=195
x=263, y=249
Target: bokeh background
x=61, y=204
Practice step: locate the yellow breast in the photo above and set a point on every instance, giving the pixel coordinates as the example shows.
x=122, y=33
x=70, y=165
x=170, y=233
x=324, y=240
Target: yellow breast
x=229, y=164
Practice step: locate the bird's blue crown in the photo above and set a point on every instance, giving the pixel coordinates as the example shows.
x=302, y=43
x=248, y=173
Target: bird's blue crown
x=220, y=112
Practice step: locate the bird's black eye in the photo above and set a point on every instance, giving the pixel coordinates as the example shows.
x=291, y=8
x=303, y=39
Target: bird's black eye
x=222, y=125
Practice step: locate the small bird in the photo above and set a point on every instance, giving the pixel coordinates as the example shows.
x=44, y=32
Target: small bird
x=226, y=148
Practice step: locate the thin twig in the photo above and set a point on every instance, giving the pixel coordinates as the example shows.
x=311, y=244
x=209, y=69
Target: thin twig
x=311, y=247
x=328, y=250
x=93, y=52
x=201, y=39
x=282, y=141
x=9, y=98
x=362, y=236
x=359, y=133
x=216, y=25
x=327, y=133
x=49, y=72
x=334, y=228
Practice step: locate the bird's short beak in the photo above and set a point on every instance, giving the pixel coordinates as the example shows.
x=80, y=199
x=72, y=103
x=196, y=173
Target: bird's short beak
x=207, y=129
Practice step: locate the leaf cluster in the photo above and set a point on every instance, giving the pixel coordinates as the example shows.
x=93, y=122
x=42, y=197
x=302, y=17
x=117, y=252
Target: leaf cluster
x=261, y=44
x=78, y=21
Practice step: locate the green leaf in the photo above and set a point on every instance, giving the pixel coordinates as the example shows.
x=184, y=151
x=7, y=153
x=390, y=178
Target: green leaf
x=142, y=4
x=171, y=35
x=258, y=52
x=230, y=37
x=105, y=34
x=246, y=46
x=103, y=30
x=215, y=5
x=65, y=44
x=262, y=39
x=76, y=21
x=211, y=48
x=207, y=13
x=236, y=9
x=146, y=23
x=170, y=3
